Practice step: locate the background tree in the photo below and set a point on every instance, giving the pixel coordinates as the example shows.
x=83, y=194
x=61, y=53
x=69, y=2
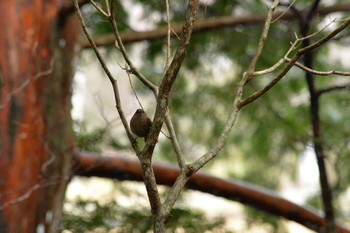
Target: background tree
x=38, y=45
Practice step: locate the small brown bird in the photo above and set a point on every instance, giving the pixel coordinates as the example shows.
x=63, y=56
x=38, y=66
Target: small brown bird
x=140, y=123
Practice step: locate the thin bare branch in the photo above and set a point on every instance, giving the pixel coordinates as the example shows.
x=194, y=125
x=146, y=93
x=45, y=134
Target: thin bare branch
x=168, y=42
x=174, y=141
x=170, y=76
x=26, y=83
x=344, y=23
x=168, y=121
x=285, y=11
x=345, y=87
x=250, y=71
x=293, y=46
x=99, y=9
x=316, y=72
x=237, y=103
x=146, y=164
x=161, y=109
x=109, y=75
x=293, y=60
x=270, y=69
x=107, y=7
x=133, y=89
x=22, y=197
x=133, y=68
x=27, y=192
x=190, y=169
x=281, y=61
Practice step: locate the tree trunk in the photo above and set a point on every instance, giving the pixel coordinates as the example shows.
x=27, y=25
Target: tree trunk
x=36, y=140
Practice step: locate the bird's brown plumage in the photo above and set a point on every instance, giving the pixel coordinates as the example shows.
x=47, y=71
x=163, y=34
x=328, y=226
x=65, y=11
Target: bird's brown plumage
x=140, y=124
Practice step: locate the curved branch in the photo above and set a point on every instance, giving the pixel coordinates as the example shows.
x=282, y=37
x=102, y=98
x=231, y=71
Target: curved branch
x=345, y=87
x=121, y=168
x=317, y=72
x=203, y=25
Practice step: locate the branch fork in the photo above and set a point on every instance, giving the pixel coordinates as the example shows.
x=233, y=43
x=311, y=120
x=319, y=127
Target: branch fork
x=161, y=211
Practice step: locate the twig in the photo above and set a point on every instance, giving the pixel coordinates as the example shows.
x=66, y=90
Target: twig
x=133, y=89
x=270, y=69
x=25, y=83
x=341, y=27
x=21, y=198
x=316, y=72
x=99, y=104
x=293, y=60
x=133, y=69
x=146, y=164
x=285, y=11
x=293, y=46
x=168, y=45
x=162, y=107
x=333, y=88
x=196, y=165
x=99, y=9
x=110, y=77
x=237, y=103
x=170, y=76
x=29, y=191
x=177, y=36
x=250, y=71
x=174, y=141
x=107, y=7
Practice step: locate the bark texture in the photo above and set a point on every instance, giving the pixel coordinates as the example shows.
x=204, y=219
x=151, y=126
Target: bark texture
x=36, y=140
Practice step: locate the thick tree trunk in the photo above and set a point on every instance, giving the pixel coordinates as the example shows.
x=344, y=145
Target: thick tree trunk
x=36, y=139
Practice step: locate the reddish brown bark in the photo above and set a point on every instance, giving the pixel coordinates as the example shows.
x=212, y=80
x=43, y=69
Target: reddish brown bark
x=128, y=169
x=34, y=111
x=202, y=25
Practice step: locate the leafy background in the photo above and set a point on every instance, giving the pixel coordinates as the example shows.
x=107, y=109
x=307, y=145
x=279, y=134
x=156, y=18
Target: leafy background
x=270, y=135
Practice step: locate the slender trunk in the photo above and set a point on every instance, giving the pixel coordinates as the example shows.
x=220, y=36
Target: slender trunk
x=308, y=59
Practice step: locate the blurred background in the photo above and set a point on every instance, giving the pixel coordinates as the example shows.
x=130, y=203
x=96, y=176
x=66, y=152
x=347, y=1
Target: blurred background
x=270, y=145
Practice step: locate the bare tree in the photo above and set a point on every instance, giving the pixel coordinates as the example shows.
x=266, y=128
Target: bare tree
x=161, y=210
